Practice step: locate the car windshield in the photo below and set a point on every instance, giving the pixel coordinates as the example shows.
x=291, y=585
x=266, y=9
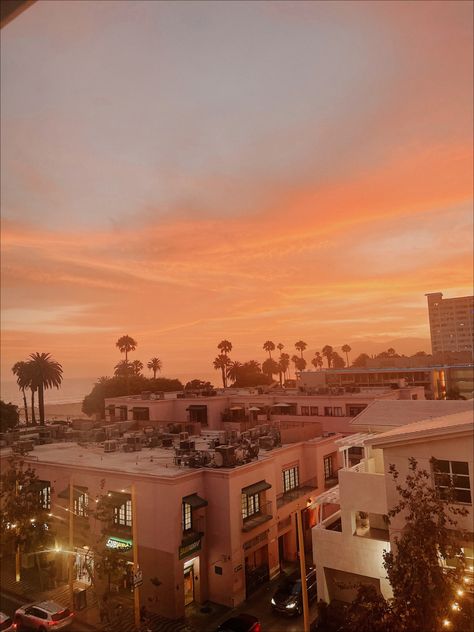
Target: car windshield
x=6, y=624
x=58, y=616
x=296, y=587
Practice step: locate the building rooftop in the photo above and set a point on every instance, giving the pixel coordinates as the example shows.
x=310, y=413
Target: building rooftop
x=391, y=413
x=447, y=424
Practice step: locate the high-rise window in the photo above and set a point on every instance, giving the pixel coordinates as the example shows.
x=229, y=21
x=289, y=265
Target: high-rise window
x=452, y=480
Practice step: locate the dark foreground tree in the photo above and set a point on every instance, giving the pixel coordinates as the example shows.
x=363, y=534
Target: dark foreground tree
x=425, y=566
x=9, y=416
x=45, y=373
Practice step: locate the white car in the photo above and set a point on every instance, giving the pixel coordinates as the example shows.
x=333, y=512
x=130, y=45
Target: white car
x=43, y=616
x=6, y=623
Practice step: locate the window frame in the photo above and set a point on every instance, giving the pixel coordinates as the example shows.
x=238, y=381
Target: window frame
x=250, y=505
x=291, y=478
x=328, y=471
x=186, y=517
x=122, y=515
x=450, y=477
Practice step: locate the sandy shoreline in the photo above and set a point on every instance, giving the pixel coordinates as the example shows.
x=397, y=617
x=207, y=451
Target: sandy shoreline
x=71, y=410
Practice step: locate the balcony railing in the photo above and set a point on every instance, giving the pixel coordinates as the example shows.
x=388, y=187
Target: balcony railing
x=293, y=494
x=259, y=518
x=332, y=480
x=332, y=522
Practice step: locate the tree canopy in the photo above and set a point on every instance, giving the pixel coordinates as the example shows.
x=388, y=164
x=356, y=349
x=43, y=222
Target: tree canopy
x=9, y=416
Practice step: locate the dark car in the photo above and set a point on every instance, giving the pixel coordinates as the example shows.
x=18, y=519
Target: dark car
x=241, y=623
x=288, y=598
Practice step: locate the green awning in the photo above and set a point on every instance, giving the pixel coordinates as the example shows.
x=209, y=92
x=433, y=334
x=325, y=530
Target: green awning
x=195, y=501
x=256, y=487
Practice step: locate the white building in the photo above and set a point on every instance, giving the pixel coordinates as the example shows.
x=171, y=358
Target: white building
x=348, y=546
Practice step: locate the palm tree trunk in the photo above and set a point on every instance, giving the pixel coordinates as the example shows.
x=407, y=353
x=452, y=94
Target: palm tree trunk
x=347, y=358
x=25, y=406
x=41, y=403
x=223, y=377
x=33, y=415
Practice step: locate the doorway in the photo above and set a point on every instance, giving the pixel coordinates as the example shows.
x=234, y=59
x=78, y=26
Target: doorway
x=191, y=581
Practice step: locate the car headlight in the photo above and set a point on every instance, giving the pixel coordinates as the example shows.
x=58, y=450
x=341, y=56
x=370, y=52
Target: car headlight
x=291, y=605
x=273, y=602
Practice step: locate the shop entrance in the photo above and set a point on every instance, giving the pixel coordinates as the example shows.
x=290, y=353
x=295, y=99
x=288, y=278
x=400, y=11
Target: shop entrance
x=256, y=570
x=191, y=590
x=84, y=565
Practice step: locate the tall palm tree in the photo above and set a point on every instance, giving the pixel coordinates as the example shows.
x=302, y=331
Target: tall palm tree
x=284, y=363
x=300, y=346
x=317, y=361
x=225, y=347
x=45, y=373
x=280, y=347
x=327, y=352
x=233, y=370
x=155, y=365
x=294, y=359
x=269, y=346
x=126, y=344
x=20, y=369
x=222, y=362
x=346, y=349
x=123, y=369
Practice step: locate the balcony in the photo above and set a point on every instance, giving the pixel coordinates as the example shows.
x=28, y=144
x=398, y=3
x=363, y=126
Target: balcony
x=331, y=481
x=331, y=523
x=304, y=489
x=195, y=533
x=255, y=520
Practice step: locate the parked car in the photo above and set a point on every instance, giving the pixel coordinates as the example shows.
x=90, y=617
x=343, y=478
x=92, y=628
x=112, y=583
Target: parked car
x=288, y=598
x=6, y=623
x=43, y=616
x=241, y=623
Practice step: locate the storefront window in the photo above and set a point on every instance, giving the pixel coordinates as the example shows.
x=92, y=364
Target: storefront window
x=80, y=504
x=123, y=514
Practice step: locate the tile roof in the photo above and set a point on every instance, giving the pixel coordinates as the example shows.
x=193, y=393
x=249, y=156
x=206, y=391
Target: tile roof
x=392, y=413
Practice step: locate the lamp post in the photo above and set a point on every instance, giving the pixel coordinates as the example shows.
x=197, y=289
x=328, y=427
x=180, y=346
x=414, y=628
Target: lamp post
x=304, y=588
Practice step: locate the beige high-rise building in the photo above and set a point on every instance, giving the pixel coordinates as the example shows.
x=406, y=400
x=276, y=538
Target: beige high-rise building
x=451, y=323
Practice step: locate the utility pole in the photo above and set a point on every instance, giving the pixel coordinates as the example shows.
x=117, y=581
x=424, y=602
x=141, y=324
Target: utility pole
x=136, y=591
x=71, y=543
x=304, y=588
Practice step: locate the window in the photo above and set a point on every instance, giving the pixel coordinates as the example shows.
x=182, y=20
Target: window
x=452, y=480
x=337, y=411
x=328, y=411
x=80, y=504
x=328, y=471
x=250, y=505
x=305, y=410
x=187, y=517
x=45, y=494
x=291, y=479
x=141, y=414
x=123, y=514
x=122, y=413
x=314, y=410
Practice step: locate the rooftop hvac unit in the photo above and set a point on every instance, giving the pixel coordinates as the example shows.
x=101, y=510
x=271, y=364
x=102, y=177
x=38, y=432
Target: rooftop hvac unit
x=266, y=442
x=167, y=441
x=183, y=436
x=145, y=394
x=110, y=446
x=228, y=455
x=187, y=446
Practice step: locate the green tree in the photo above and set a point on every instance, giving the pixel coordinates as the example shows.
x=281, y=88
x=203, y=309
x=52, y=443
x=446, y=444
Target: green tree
x=336, y=361
x=327, y=352
x=270, y=367
x=317, y=361
x=346, y=349
x=300, y=346
x=24, y=521
x=126, y=344
x=225, y=347
x=45, y=373
x=222, y=363
x=9, y=416
x=233, y=370
x=22, y=373
x=137, y=367
x=269, y=346
x=425, y=564
x=361, y=361
x=155, y=365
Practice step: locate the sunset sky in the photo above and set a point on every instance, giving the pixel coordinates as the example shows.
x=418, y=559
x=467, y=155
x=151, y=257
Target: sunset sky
x=192, y=171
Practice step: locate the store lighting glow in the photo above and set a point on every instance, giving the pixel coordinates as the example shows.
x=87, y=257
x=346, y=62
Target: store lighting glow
x=455, y=606
x=446, y=623
x=459, y=592
x=32, y=520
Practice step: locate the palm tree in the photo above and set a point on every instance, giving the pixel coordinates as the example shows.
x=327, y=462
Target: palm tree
x=123, y=369
x=280, y=347
x=317, y=361
x=336, y=361
x=45, y=373
x=126, y=344
x=233, y=370
x=20, y=369
x=300, y=346
x=327, y=353
x=225, y=347
x=154, y=365
x=222, y=362
x=346, y=349
x=252, y=366
x=269, y=346
x=137, y=367
x=270, y=367
x=284, y=363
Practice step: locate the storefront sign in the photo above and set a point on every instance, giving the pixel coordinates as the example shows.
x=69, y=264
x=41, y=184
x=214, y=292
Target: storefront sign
x=184, y=551
x=119, y=544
